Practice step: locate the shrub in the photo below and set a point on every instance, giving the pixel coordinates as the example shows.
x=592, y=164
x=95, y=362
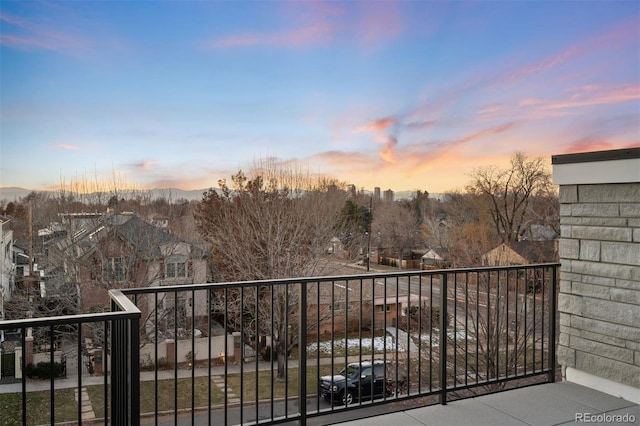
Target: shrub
x=44, y=370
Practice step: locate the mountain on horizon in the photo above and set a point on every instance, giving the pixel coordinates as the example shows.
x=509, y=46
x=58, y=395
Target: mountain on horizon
x=14, y=193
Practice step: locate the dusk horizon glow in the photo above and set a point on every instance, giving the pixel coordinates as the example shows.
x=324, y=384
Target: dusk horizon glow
x=399, y=95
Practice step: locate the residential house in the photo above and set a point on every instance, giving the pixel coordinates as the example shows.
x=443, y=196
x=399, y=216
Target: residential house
x=410, y=258
x=120, y=250
x=431, y=260
x=521, y=253
x=348, y=306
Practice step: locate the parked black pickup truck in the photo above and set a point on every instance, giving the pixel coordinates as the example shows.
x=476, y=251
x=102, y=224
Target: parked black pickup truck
x=366, y=380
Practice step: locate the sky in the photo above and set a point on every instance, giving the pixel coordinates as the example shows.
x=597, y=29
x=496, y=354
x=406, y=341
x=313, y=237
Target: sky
x=401, y=95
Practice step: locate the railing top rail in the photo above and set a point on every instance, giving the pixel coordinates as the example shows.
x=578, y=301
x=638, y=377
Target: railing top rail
x=129, y=310
x=298, y=280
x=123, y=301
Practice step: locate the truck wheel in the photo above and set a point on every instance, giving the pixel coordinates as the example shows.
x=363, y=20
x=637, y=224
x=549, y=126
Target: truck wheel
x=347, y=397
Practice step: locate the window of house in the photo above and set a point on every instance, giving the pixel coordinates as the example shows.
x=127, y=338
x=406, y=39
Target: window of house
x=339, y=306
x=383, y=308
x=176, y=267
x=113, y=269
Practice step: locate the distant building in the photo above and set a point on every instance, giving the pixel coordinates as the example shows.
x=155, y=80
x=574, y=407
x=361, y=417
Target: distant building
x=376, y=192
x=6, y=263
x=388, y=195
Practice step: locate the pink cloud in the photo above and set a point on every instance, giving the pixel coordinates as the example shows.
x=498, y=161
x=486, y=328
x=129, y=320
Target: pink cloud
x=67, y=146
x=378, y=21
x=598, y=95
x=588, y=144
x=386, y=153
x=24, y=34
x=378, y=125
x=144, y=165
x=545, y=64
x=315, y=23
x=314, y=34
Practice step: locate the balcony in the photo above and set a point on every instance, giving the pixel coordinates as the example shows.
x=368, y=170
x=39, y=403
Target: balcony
x=231, y=353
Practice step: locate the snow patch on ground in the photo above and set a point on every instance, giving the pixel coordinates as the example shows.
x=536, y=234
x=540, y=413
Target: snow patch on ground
x=377, y=344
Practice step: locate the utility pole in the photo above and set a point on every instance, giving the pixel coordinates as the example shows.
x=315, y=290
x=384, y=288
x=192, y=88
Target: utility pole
x=30, y=231
x=369, y=233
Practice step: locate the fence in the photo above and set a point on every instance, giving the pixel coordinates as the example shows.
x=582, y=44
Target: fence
x=309, y=347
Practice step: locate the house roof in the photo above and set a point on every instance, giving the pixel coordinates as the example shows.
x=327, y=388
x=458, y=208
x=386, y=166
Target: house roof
x=145, y=238
x=535, y=251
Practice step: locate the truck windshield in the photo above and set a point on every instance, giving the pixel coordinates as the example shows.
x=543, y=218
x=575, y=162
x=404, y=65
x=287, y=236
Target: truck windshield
x=351, y=372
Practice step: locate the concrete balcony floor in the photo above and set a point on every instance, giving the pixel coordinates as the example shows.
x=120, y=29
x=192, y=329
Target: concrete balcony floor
x=547, y=404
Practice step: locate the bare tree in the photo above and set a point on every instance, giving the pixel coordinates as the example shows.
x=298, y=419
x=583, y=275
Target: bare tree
x=505, y=327
x=510, y=192
x=398, y=229
x=275, y=223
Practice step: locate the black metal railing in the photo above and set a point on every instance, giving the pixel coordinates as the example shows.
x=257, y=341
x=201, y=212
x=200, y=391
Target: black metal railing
x=58, y=358
x=269, y=352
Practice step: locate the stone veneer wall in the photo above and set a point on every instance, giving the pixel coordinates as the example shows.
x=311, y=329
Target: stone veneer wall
x=599, y=300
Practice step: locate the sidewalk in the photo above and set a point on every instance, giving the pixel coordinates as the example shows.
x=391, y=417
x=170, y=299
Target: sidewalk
x=561, y=403
x=182, y=373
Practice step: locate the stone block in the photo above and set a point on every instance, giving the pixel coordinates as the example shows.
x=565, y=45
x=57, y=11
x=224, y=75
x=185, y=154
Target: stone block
x=602, y=233
x=625, y=253
x=628, y=333
x=603, y=338
x=565, y=319
x=566, y=356
x=596, y=280
x=570, y=304
x=626, y=296
x=617, y=353
x=615, y=312
x=600, y=269
x=568, y=194
x=565, y=210
x=609, y=193
x=565, y=275
x=590, y=290
x=565, y=231
x=570, y=220
x=569, y=248
x=566, y=329
x=627, y=284
x=565, y=286
x=621, y=372
x=596, y=210
x=633, y=222
x=603, y=221
x=636, y=235
x=590, y=250
x=630, y=209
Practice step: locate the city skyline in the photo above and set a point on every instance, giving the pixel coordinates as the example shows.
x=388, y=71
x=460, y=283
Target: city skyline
x=401, y=95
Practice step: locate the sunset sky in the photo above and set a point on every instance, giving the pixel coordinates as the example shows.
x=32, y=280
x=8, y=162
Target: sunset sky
x=396, y=94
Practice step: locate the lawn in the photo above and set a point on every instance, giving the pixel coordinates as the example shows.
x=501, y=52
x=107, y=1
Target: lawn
x=265, y=379
x=38, y=405
x=66, y=406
